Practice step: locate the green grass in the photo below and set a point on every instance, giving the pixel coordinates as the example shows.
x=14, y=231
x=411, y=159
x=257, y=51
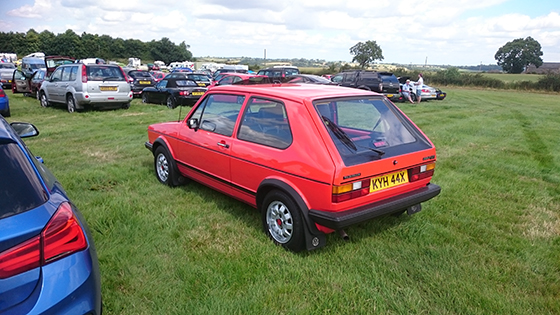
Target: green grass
x=508, y=77
x=488, y=244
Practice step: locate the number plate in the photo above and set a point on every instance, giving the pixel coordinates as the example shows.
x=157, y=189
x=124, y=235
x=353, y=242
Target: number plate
x=197, y=93
x=144, y=82
x=389, y=95
x=389, y=180
x=201, y=84
x=107, y=88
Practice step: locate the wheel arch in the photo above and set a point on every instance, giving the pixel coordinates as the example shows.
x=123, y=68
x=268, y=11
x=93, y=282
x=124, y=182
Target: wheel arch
x=313, y=237
x=161, y=142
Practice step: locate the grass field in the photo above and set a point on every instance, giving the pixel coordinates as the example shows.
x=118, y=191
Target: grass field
x=509, y=77
x=488, y=244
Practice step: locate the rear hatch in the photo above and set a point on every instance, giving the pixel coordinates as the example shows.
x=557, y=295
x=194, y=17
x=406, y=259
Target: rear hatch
x=106, y=80
x=390, y=83
x=380, y=152
x=51, y=62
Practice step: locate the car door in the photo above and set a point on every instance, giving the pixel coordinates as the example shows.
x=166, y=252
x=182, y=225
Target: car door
x=161, y=91
x=204, y=151
x=20, y=83
x=53, y=85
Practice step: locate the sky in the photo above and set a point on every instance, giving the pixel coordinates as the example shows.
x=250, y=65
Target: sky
x=434, y=32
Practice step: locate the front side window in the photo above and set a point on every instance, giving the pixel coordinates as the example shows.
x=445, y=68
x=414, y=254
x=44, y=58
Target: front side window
x=218, y=113
x=266, y=122
x=365, y=129
x=57, y=75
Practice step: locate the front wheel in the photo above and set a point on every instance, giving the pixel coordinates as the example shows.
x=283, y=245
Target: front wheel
x=145, y=99
x=165, y=169
x=282, y=221
x=44, y=99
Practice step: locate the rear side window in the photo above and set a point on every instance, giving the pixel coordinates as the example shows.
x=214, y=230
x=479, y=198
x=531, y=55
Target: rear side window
x=103, y=73
x=265, y=122
x=20, y=188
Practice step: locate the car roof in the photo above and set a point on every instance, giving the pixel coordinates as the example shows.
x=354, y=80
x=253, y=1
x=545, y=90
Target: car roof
x=295, y=91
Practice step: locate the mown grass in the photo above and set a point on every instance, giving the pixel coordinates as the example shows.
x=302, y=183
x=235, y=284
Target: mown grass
x=488, y=244
x=509, y=77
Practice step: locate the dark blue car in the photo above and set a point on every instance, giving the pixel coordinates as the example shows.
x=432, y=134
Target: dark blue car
x=4, y=103
x=48, y=263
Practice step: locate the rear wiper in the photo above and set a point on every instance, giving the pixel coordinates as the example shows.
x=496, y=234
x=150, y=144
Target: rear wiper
x=110, y=78
x=339, y=133
x=344, y=138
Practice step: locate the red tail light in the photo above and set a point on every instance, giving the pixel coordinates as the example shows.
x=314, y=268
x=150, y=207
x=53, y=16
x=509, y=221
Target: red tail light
x=62, y=236
x=84, y=74
x=421, y=172
x=184, y=93
x=2, y=93
x=350, y=191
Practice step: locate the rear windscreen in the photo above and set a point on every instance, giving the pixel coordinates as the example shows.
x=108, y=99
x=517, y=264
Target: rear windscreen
x=104, y=73
x=365, y=129
x=20, y=188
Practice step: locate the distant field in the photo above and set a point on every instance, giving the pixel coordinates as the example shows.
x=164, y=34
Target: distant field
x=506, y=77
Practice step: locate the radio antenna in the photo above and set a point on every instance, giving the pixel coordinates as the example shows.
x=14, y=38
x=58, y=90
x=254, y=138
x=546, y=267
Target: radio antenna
x=179, y=118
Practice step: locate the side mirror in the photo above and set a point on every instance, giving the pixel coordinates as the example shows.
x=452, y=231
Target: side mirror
x=193, y=123
x=25, y=130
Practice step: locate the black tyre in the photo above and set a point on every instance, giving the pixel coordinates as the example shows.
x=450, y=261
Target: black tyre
x=145, y=98
x=282, y=221
x=44, y=100
x=71, y=104
x=126, y=105
x=413, y=97
x=6, y=113
x=165, y=169
x=171, y=102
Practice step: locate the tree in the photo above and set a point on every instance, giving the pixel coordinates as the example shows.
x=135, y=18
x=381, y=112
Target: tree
x=515, y=56
x=366, y=53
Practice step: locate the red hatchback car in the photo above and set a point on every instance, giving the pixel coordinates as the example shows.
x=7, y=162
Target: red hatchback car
x=312, y=159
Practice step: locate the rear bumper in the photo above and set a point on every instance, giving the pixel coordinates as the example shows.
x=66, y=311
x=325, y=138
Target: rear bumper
x=339, y=220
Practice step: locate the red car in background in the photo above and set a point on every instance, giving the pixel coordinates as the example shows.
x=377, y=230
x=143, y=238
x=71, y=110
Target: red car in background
x=313, y=159
x=240, y=79
x=158, y=75
x=23, y=83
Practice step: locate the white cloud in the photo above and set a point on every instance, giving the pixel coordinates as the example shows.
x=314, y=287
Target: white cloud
x=457, y=32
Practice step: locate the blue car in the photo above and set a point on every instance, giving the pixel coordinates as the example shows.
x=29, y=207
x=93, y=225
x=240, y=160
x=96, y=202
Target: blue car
x=48, y=263
x=4, y=103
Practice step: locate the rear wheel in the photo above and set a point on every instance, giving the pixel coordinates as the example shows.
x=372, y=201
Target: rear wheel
x=171, y=102
x=44, y=99
x=145, y=99
x=126, y=105
x=282, y=222
x=71, y=104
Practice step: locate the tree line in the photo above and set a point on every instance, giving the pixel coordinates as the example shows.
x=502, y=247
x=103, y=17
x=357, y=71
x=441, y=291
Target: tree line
x=92, y=46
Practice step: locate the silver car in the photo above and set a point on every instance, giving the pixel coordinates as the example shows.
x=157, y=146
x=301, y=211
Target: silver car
x=86, y=85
